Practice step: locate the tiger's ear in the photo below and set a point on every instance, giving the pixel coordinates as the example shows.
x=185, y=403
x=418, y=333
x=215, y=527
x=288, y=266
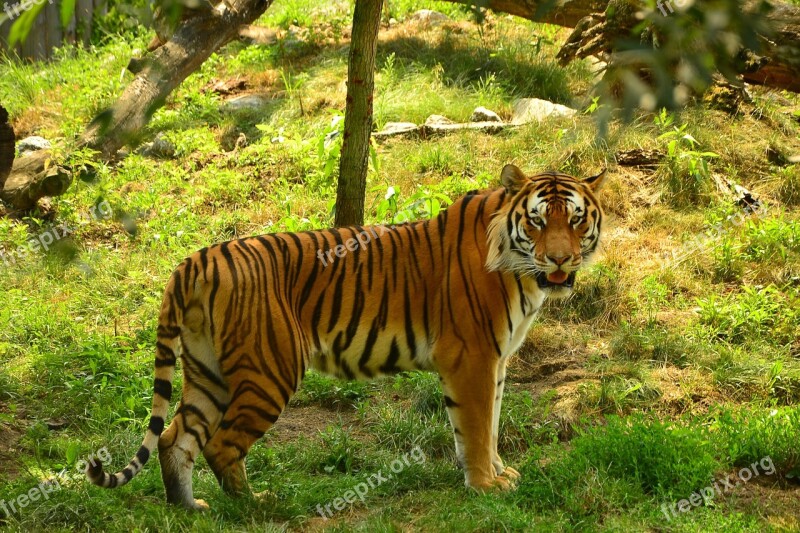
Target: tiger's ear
x=595, y=182
x=512, y=178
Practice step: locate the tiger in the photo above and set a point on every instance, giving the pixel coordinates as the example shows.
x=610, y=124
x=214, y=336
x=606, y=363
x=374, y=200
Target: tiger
x=454, y=294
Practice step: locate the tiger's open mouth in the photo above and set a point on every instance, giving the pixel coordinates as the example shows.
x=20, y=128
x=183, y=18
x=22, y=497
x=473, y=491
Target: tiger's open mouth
x=543, y=282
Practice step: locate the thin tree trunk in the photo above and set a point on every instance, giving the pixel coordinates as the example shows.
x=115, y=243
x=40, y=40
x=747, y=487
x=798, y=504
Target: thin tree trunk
x=358, y=114
x=7, y=147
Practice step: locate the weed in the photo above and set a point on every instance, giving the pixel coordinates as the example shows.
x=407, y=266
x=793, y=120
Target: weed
x=749, y=435
x=686, y=175
x=330, y=392
x=765, y=313
x=651, y=343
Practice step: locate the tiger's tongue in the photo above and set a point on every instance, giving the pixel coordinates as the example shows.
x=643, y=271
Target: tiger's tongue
x=559, y=276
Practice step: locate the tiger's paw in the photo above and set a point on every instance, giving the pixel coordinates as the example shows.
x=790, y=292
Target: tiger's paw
x=501, y=483
x=511, y=473
x=199, y=505
x=265, y=495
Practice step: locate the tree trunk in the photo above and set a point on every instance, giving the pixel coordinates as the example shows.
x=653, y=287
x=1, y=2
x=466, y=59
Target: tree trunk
x=778, y=66
x=358, y=114
x=782, y=51
x=7, y=147
x=195, y=39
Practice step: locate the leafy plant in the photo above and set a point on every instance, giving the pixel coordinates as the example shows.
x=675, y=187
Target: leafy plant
x=420, y=205
x=766, y=313
x=686, y=170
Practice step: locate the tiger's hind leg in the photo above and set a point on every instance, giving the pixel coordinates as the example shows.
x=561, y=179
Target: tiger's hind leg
x=203, y=403
x=255, y=406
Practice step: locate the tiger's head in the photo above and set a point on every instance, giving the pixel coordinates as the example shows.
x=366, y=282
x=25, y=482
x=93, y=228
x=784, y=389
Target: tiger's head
x=550, y=226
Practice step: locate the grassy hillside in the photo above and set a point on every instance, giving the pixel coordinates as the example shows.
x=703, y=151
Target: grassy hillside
x=673, y=370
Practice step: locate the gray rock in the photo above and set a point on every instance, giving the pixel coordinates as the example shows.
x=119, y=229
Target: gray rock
x=32, y=144
x=529, y=109
x=597, y=67
x=437, y=120
x=429, y=17
x=245, y=101
x=160, y=148
x=481, y=114
x=395, y=129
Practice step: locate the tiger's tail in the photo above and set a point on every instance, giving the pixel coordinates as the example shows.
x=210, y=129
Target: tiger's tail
x=167, y=349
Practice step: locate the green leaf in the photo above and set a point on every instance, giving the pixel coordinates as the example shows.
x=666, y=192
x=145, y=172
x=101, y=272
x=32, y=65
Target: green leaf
x=22, y=27
x=72, y=453
x=67, y=10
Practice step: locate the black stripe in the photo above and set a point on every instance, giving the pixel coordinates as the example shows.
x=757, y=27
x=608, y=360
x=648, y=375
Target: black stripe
x=156, y=425
x=163, y=388
x=390, y=366
x=449, y=402
x=143, y=455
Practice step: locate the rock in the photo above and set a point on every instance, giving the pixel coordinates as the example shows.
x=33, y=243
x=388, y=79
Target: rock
x=481, y=114
x=440, y=129
x=597, y=67
x=429, y=17
x=32, y=144
x=55, y=424
x=394, y=129
x=159, y=148
x=529, y=109
x=437, y=120
x=258, y=35
x=226, y=87
x=245, y=101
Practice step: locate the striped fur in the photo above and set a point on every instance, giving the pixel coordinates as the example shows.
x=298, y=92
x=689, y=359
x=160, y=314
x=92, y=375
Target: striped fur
x=455, y=295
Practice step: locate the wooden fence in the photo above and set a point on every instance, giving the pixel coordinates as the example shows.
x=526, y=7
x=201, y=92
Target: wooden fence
x=47, y=32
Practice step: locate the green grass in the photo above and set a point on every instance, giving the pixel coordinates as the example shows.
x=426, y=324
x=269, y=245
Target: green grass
x=674, y=363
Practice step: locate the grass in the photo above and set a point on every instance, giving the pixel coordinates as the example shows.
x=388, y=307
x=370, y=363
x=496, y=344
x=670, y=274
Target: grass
x=675, y=362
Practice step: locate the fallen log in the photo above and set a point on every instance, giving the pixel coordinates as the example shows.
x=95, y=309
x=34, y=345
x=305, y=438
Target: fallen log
x=32, y=177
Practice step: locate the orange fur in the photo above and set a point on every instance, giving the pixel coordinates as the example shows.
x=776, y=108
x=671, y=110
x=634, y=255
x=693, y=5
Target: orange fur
x=454, y=295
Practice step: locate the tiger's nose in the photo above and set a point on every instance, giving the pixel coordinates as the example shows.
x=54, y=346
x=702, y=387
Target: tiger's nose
x=558, y=259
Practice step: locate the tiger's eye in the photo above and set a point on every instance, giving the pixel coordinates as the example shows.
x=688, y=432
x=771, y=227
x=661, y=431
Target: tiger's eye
x=537, y=220
x=575, y=220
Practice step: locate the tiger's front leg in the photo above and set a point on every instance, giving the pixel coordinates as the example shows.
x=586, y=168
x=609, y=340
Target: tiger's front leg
x=470, y=388
x=497, y=461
